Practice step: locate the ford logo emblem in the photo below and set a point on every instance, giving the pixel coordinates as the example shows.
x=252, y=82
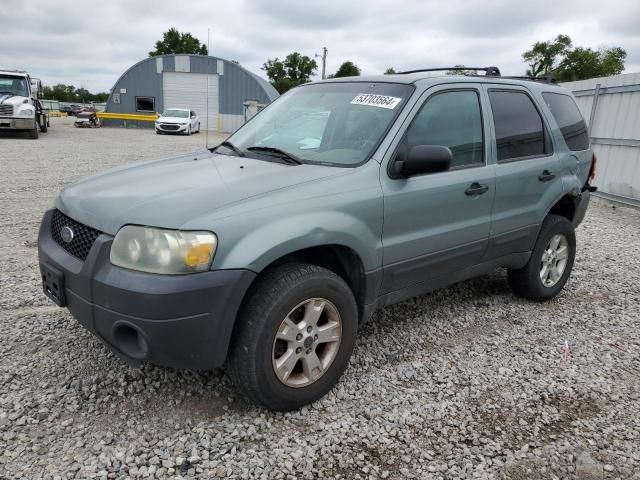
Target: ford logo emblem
x=67, y=234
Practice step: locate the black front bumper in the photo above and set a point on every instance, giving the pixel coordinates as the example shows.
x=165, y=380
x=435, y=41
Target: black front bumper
x=183, y=321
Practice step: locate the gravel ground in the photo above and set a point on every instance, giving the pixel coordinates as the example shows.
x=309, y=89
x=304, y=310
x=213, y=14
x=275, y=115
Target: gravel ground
x=467, y=382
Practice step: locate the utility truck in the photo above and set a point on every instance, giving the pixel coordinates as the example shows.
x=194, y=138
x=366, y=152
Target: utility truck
x=20, y=106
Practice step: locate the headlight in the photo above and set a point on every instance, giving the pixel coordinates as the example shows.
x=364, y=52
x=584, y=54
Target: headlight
x=26, y=111
x=157, y=250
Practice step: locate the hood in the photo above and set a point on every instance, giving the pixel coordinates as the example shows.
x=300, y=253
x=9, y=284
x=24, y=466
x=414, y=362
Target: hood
x=8, y=99
x=173, y=119
x=169, y=193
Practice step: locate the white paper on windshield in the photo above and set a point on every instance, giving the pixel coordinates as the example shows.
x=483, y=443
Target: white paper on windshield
x=371, y=100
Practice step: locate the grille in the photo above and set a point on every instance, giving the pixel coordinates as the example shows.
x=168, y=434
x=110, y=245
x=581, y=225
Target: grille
x=83, y=236
x=169, y=126
x=6, y=109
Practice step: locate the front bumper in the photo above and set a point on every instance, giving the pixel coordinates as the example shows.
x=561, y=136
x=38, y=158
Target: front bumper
x=12, y=123
x=183, y=321
x=165, y=129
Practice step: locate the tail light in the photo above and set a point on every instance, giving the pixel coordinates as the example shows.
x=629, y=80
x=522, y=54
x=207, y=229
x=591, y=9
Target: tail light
x=592, y=170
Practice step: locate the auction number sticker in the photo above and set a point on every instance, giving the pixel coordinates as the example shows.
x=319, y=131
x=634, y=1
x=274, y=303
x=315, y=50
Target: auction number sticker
x=381, y=101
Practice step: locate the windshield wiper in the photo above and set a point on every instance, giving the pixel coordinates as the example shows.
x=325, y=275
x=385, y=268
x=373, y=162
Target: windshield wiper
x=276, y=152
x=231, y=147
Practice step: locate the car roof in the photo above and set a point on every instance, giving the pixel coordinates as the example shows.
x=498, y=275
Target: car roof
x=177, y=108
x=428, y=80
x=15, y=73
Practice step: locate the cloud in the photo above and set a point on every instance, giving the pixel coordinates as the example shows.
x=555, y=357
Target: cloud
x=90, y=44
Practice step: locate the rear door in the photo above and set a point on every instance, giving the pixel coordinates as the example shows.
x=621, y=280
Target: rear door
x=438, y=224
x=528, y=180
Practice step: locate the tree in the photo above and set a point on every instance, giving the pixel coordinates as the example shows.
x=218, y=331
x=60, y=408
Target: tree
x=560, y=59
x=583, y=63
x=69, y=93
x=83, y=95
x=174, y=41
x=294, y=70
x=347, y=69
x=544, y=57
x=463, y=71
x=390, y=71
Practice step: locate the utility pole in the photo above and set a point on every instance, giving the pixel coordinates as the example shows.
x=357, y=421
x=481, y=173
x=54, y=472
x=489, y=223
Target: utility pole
x=324, y=61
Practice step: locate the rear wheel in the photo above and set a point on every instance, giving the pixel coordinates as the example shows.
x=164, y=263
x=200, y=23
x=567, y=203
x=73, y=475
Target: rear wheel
x=294, y=336
x=550, y=264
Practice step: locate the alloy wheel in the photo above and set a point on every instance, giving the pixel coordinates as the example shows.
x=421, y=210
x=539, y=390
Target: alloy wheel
x=307, y=342
x=554, y=260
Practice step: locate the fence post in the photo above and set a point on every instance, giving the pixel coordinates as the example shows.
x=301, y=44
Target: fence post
x=594, y=106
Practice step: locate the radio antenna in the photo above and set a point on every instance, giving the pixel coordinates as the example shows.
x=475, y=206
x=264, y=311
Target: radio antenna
x=206, y=122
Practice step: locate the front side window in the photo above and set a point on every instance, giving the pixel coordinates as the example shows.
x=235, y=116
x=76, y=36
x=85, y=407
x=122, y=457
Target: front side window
x=145, y=104
x=335, y=124
x=452, y=119
x=518, y=125
x=569, y=119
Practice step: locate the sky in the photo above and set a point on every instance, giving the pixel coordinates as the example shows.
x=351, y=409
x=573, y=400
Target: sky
x=90, y=44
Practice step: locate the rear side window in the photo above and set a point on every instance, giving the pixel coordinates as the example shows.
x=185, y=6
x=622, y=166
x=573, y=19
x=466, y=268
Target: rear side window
x=518, y=125
x=569, y=119
x=452, y=119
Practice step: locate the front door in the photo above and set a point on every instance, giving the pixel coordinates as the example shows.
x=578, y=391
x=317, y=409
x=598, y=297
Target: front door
x=438, y=224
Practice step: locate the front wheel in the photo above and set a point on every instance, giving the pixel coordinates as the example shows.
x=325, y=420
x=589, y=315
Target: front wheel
x=294, y=336
x=33, y=133
x=550, y=264
x=43, y=124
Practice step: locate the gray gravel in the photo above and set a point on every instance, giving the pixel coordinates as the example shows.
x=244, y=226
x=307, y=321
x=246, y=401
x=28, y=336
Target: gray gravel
x=467, y=382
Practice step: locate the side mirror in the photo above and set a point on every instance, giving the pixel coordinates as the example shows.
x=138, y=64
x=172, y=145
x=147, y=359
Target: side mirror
x=422, y=159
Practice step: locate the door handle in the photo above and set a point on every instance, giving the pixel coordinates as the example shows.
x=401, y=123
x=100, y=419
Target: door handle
x=546, y=176
x=476, y=189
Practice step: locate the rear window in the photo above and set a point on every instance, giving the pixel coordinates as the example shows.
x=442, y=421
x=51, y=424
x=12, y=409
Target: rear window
x=518, y=125
x=569, y=119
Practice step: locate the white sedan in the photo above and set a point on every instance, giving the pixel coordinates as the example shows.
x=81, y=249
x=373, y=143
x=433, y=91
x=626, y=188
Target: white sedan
x=178, y=120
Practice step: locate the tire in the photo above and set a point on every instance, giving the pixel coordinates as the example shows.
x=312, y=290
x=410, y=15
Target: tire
x=43, y=124
x=527, y=282
x=198, y=131
x=188, y=132
x=158, y=132
x=33, y=133
x=283, y=292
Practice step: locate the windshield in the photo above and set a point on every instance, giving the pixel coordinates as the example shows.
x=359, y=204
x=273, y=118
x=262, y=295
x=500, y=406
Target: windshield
x=326, y=123
x=176, y=113
x=13, y=85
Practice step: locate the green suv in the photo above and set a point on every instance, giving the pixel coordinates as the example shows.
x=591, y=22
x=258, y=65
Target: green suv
x=265, y=253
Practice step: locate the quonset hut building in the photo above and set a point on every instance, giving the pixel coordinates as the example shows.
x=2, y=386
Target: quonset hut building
x=180, y=81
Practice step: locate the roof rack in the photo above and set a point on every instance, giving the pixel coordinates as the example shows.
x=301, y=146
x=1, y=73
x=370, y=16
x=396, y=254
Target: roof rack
x=544, y=79
x=489, y=71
